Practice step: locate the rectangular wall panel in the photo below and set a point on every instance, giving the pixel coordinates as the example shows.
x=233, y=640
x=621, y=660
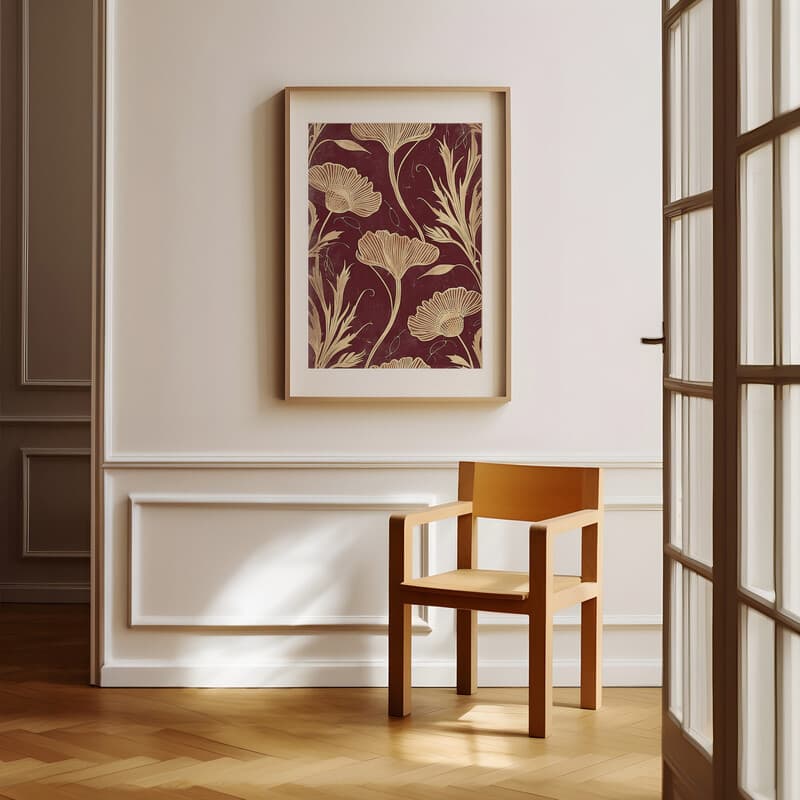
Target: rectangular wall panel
x=244, y=560
x=56, y=192
x=275, y=574
x=56, y=502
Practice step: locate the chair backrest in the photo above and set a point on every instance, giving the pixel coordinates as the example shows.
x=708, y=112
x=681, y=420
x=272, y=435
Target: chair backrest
x=528, y=493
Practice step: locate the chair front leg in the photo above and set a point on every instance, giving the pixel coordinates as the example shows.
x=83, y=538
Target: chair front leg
x=399, y=618
x=540, y=635
x=592, y=618
x=399, y=658
x=466, y=652
x=591, y=653
x=540, y=674
x=467, y=621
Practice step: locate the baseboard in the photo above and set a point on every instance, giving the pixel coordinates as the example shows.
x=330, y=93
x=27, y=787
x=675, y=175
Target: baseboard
x=44, y=593
x=616, y=672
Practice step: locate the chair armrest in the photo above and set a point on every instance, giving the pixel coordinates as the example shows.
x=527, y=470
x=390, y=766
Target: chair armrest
x=567, y=522
x=459, y=508
x=401, y=527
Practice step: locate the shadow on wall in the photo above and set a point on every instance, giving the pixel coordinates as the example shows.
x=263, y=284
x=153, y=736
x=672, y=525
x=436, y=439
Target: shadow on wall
x=268, y=231
x=293, y=574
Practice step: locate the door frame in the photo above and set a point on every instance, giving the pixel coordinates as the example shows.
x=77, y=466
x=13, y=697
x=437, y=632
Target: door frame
x=97, y=572
x=719, y=777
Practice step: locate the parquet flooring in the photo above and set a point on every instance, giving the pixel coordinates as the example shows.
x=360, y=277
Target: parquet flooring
x=63, y=740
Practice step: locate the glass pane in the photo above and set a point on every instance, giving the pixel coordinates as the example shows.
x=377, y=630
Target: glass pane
x=758, y=481
x=701, y=295
x=757, y=763
x=691, y=296
x=790, y=563
x=789, y=721
x=699, y=91
x=677, y=432
x=690, y=49
x=676, y=110
x=691, y=476
x=700, y=723
x=676, y=290
x=700, y=468
x=790, y=57
x=790, y=241
x=755, y=194
x=755, y=63
x=676, y=641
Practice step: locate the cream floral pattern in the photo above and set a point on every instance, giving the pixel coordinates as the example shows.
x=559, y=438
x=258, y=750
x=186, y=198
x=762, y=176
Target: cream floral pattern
x=443, y=315
x=406, y=362
x=396, y=254
x=345, y=190
x=393, y=136
x=394, y=245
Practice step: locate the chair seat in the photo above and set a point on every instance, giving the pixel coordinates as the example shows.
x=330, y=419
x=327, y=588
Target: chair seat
x=499, y=585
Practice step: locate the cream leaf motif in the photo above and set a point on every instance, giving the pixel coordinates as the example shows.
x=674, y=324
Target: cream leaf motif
x=392, y=135
x=345, y=189
x=443, y=314
x=406, y=362
x=395, y=252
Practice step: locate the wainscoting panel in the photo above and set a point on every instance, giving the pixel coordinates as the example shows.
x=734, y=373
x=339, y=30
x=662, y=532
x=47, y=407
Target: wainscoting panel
x=45, y=299
x=274, y=570
x=275, y=575
x=56, y=312
x=55, y=502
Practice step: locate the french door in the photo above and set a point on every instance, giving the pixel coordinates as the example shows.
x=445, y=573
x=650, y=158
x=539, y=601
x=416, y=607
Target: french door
x=731, y=73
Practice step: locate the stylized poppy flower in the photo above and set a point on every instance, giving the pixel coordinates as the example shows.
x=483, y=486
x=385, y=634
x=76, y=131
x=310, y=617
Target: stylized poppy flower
x=395, y=252
x=392, y=135
x=444, y=313
x=406, y=362
x=345, y=190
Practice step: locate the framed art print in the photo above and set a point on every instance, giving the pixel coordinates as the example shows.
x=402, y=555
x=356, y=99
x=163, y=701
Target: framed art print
x=397, y=243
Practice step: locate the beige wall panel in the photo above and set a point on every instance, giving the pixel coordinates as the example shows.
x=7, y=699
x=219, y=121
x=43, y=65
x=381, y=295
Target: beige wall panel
x=197, y=202
x=45, y=312
x=56, y=502
x=57, y=171
x=14, y=399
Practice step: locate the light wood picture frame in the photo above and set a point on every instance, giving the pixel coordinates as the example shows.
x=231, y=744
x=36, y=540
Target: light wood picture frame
x=397, y=243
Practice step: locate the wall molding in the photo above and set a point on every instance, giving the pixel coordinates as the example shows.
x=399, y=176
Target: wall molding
x=420, y=623
x=210, y=461
x=367, y=672
x=44, y=592
x=27, y=454
x=25, y=379
x=15, y=419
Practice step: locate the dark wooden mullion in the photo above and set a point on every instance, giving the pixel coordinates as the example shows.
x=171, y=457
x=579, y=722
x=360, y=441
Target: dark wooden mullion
x=684, y=205
x=689, y=388
x=671, y=14
x=776, y=127
x=676, y=554
x=768, y=610
x=758, y=373
x=666, y=424
x=725, y=633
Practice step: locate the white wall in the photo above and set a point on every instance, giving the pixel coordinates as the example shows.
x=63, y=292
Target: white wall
x=195, y=332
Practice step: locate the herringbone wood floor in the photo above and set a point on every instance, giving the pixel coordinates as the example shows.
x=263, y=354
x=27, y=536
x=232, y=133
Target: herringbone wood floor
x=62, y=740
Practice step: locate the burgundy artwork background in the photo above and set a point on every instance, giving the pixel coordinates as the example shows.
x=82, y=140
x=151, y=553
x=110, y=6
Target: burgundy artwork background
x=374, y=306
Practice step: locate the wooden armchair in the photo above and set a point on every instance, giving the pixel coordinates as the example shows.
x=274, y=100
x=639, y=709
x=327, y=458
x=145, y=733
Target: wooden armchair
x=555, y=500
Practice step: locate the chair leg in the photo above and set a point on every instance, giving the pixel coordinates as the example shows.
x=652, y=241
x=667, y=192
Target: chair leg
x=466, y=652
x=591, y=654
x=540, y=673
x=399, y=659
